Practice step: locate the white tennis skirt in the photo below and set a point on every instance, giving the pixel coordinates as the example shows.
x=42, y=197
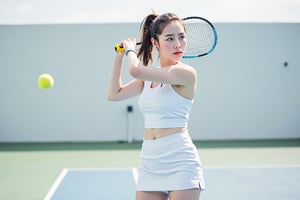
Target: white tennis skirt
x=170, y=163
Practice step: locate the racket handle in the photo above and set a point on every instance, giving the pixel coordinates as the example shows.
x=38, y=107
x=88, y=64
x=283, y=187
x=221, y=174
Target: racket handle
x=119, y=48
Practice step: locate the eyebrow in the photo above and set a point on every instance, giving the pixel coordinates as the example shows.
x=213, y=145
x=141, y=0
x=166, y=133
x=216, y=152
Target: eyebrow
x=171, y=35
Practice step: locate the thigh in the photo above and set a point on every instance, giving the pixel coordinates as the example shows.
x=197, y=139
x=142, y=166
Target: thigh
x=140, y=195
x=193, y=194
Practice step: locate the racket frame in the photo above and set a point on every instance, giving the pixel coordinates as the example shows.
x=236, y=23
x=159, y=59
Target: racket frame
x=120, y=49
x=214, y=32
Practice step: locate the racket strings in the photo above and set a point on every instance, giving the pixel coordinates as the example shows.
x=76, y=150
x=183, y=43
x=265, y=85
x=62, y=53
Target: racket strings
x=200, y=37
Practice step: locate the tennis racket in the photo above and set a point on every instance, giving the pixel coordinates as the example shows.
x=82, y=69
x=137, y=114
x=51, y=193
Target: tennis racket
x=201, y=37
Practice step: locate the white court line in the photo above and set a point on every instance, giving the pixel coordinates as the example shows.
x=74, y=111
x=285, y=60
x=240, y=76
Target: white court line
x=252, y=167
x=100, y=169
x=56, y=184
x=135, y=174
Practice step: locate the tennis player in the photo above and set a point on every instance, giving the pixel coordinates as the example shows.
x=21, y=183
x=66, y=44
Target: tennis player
x=170, y=166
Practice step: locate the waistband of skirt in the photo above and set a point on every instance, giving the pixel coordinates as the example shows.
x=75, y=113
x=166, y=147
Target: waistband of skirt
x=174, y=136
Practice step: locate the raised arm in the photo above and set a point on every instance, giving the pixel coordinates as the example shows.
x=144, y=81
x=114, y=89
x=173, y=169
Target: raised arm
x=116, y=89
x=178, y=74
x=183, y=77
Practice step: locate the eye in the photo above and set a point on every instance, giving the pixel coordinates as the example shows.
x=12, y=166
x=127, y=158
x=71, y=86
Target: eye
x=182, y=37
x=169, y=39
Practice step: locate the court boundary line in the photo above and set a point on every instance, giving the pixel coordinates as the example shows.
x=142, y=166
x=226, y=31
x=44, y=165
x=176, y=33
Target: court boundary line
x=252, y=167
x=56, y=184
x=135, y=174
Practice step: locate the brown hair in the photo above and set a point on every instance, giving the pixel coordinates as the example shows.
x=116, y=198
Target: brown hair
x=151, y=27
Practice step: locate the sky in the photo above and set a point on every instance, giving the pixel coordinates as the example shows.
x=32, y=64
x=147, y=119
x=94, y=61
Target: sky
x=117, y=11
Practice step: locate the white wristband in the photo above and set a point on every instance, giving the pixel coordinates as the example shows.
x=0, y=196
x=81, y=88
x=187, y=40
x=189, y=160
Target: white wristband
x=128, y=50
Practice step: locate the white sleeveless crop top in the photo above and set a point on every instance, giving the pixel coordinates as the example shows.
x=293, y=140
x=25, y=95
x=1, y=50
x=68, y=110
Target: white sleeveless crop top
x=163, y=107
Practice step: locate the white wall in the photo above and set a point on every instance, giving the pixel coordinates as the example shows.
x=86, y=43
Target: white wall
x=244, y=91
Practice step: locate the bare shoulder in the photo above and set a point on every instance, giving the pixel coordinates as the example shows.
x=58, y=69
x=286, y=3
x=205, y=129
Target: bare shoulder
x=185, y=71
x=184, y=67
x=188, y=75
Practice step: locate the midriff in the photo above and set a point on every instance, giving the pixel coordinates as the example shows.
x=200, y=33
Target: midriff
x=156, y=133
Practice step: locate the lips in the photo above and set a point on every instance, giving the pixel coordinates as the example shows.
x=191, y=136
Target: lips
x=178, y=53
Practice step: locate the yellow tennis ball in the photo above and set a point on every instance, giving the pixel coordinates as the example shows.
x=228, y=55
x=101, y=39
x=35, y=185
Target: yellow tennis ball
x=45, y=81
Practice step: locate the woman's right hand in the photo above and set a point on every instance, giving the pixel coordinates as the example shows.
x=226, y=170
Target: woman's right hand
x=129, y=43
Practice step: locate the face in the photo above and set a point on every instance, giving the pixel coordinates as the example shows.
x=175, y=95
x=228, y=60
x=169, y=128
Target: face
x=171, y=43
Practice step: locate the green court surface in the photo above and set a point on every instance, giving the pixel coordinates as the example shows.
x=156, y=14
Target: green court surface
x=28, y=170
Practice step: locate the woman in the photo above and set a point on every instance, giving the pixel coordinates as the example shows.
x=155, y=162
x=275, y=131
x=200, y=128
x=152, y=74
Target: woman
x=169, y=163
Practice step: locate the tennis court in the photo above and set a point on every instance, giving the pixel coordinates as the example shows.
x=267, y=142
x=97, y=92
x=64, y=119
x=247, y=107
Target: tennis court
x=253, y=169
x=248, y=89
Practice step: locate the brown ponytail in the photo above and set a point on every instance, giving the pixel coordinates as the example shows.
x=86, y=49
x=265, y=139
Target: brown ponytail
x=145, y=51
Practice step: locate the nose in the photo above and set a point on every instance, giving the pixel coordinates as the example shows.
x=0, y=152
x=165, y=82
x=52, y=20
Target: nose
x=177, y=44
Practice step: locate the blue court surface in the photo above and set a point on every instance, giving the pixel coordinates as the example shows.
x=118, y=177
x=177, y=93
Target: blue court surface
x=229, y=183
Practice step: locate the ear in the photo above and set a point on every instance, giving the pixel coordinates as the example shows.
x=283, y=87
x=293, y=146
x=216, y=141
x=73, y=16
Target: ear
x=155, y=43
